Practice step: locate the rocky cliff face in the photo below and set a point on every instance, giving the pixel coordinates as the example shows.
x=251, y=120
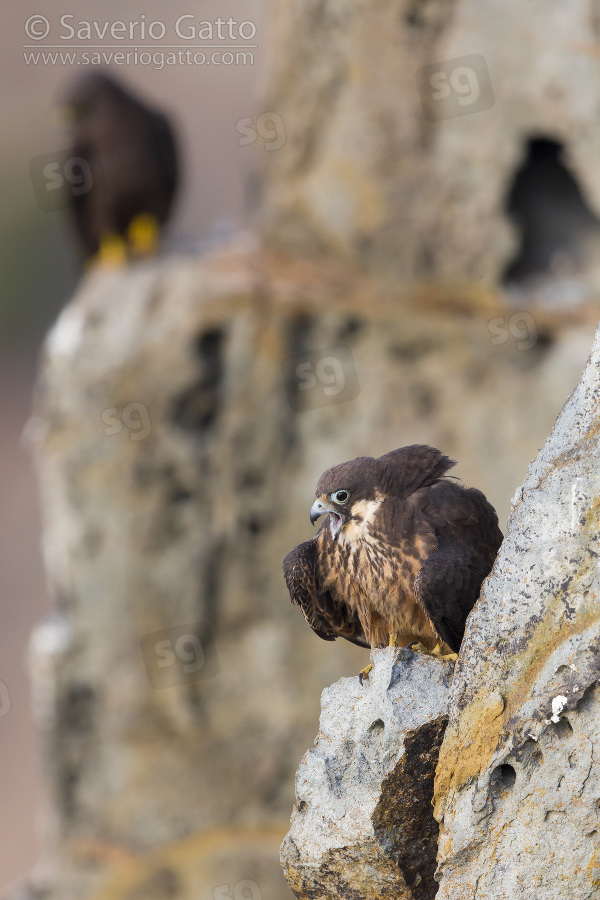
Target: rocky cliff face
x=403, y=130
x=517, y=783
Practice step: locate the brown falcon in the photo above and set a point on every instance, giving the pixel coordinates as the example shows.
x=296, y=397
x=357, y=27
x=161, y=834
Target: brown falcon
x=127, y=153
x=400, y=557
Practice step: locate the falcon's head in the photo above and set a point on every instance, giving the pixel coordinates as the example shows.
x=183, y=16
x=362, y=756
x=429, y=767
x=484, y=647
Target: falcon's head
x=92, y=95
x=346, y=493
x=351, y=492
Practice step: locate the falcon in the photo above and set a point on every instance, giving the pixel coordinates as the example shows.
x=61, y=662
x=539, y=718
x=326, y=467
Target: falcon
x=400, y=557
x=122, y=164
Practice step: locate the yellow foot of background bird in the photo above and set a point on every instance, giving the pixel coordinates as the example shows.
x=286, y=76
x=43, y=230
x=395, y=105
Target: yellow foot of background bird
x=143, y=234
x=364, y=673
x=112, y=253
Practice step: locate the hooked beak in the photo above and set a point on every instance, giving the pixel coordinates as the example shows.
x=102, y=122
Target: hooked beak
x=319, y=509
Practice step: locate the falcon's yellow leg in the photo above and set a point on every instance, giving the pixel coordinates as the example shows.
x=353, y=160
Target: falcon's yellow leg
x=436, y=653
x=364, y=673
x=143, y=234
x=112, y=252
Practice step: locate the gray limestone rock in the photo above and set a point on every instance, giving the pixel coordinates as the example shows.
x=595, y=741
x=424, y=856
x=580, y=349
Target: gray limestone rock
x=518, y=781
x=363, y=824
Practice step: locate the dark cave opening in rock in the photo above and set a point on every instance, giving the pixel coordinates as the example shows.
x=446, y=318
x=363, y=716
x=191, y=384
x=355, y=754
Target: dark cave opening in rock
x=548, y=207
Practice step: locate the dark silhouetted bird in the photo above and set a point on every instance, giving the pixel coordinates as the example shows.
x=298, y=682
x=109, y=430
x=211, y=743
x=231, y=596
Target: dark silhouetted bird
x=126, y=156
x=400, y=557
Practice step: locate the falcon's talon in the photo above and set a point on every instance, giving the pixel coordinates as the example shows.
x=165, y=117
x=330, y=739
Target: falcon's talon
x=436, y=653
x=364, y=673
x=143, y=234
x=112, y=252
x=393, y=639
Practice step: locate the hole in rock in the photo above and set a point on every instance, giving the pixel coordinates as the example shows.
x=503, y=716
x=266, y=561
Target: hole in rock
x=197, y=407
x=562, y=670
x=552, y=214
x=254, y=525
x=503, y=778
x=76, y=709
x=563, y=728
x=376, y=727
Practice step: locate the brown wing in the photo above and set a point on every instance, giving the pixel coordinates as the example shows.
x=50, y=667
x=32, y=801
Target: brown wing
x=447, y=588
x=326, y=617
x=462, y=515
x=410, y=468
x=468, y=537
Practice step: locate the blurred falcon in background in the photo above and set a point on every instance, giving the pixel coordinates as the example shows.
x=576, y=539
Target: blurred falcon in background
x=126, y=155
x=401, y=556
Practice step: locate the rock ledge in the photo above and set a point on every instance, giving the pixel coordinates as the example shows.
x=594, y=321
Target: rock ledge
x=363, y=825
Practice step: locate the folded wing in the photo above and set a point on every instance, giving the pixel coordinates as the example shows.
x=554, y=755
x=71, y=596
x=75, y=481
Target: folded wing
x=468, y=537
x=327, y=617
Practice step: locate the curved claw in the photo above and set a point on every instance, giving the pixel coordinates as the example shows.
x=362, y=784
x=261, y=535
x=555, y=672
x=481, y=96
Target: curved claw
x=364, y=673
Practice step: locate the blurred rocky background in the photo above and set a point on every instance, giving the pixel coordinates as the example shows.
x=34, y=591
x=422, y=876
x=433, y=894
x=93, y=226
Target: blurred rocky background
x=39, y=265
x=419, y=188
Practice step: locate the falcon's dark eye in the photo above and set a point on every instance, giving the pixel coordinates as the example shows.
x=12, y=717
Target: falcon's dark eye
x=340, y=496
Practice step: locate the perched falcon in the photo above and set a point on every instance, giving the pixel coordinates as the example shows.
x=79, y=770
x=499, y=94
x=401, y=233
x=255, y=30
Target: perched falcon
x=400, y=557
x=125, y=158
